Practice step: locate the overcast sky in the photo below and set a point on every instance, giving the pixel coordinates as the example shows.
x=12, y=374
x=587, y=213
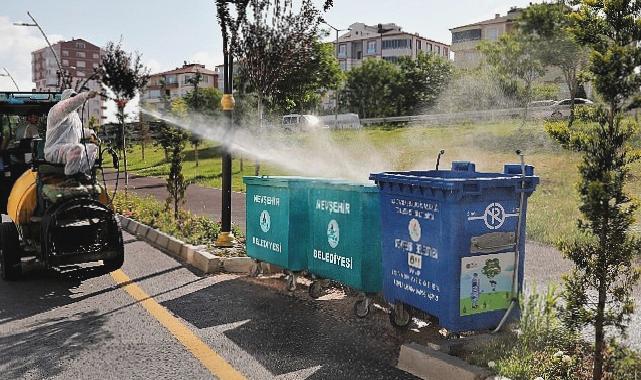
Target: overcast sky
x=168, y=32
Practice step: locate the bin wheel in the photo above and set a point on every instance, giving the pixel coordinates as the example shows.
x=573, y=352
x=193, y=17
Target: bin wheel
x=399, y=316
x=256, y=270
x=291, y=282
x=10, y=268
x=315, y=289
x=362, y=308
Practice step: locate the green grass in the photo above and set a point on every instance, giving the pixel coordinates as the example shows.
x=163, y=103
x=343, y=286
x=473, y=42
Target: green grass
x=552, y=210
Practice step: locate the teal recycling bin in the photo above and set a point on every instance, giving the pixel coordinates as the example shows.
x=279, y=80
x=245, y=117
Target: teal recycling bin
x=345, y=236
x=277, y=220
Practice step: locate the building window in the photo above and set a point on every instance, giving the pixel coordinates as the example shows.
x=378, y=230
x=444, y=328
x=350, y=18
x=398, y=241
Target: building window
x=65, y=62
x=342, y=50
x=419, y=45
x=80, y=74
x=80, y=45
x=492, y=34
x=429, y=47
x=371, y=47
x=205, y=78
x=466, y=35
x=96, y=56
x=81, y=64
x=359, y=55
x=391, y=59
x=186, y=78
x=80, y=54
x=438, y=50
x=343, y=65
x=445, y=52
x=65, y=53
x=170, y=79
x=95, y=65
x=396, y=44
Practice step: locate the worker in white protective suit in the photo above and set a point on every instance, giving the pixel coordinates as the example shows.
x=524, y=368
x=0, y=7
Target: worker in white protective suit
x=65, y=132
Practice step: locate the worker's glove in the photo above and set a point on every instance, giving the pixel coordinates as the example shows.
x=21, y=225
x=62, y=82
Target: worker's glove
x=92, y=94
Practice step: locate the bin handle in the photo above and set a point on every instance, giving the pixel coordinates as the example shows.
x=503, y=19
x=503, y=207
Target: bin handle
x=475, y=189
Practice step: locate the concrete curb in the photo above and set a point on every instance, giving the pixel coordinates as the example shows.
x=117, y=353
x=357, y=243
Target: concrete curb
x=196, y=256
x=430, y=364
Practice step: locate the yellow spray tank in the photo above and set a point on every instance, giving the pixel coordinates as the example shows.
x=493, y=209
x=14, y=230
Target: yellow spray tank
x=23, y=201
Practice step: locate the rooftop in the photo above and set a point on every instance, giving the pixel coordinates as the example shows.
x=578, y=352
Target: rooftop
x=511, y=15
x=188, y=68
x=360, y=31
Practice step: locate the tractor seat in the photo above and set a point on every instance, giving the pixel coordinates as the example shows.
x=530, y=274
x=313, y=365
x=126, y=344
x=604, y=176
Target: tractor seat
x=55, y=188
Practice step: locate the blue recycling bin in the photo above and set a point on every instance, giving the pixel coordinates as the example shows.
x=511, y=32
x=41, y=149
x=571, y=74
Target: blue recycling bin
x=449, y=242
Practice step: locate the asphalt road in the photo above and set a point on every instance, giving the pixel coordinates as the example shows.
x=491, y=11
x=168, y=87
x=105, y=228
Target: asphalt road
x=81, y=325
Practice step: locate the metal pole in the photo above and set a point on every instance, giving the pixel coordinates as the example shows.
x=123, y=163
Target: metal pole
x=8, y=74
x=55, y=56
x=226, y=237
x=336, y=91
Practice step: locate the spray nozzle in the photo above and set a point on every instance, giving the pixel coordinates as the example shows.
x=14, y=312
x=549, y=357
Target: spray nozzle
x=438, y=159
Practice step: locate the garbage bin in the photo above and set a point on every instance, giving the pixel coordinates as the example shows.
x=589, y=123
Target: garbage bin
x=277, y=222
x=345, y=238
x=449, y=241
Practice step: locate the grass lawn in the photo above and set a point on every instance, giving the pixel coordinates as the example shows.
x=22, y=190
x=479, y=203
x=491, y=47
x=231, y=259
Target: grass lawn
x=552, y=210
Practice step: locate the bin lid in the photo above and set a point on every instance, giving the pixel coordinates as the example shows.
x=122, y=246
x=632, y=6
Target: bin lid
x=315, y=182
x=463, y=173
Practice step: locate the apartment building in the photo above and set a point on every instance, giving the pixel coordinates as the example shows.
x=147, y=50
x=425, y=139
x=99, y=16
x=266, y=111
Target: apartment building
x=386, y=41
x=78, y=59
x=176, y=83
x=466, y=38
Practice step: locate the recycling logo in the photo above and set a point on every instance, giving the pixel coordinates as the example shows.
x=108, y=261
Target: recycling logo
x=265, y=221
x=494, y=216
x=414, y=229
x=333, y=233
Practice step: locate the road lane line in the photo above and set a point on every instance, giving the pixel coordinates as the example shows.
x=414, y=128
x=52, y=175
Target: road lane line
x=208, y=357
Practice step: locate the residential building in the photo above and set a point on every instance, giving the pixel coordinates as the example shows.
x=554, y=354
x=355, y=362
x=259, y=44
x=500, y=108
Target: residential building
x=386, y=41
x=176, y=83
x=466, y=38
x=78, y=59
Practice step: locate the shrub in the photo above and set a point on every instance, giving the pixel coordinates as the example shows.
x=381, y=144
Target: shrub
x=192, y=229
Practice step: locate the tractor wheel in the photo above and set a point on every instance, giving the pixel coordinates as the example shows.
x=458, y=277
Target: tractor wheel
x=116, y=263
x=10, y=268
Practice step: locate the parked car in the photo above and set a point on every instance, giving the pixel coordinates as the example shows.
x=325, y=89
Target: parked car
x=561, y=109
x=297, y=122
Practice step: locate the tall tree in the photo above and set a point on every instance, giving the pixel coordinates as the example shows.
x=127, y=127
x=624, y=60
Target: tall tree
x=194, y=102
x=514, y=58
x=306, y=86
x=276, y=41
x=598, y=291
x=422, y=81
x=176, y=137
x=550, y=27
x=370, y=89
x=125, y=75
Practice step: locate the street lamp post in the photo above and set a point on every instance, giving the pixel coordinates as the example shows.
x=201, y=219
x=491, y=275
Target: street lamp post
x=55, y=56
x=336, y=95
x=226, y=237
x=8, y=74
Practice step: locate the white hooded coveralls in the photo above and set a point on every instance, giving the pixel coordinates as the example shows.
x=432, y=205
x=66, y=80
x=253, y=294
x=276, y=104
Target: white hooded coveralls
x=64, y=133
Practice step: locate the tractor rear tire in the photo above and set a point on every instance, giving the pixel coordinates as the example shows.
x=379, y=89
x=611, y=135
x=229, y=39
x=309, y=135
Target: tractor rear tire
x=10, y=263
x=116, y=263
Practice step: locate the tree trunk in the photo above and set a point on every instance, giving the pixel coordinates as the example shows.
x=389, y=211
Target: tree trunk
x=196, y=153
x=599, y=333
x=142, y=148
x=241, y=164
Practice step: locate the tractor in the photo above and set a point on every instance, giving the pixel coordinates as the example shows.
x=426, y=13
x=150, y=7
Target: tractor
x=48, y=217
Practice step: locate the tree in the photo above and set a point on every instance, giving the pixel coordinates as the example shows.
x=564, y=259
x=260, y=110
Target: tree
x=175, y=137
x=422, y=81
x=307, y=85
x=549, y=25
x=125, y=75
x=276, y=42
x=598, y=291
x=205, y=102
x=370, y=88
x=145, y=134
x=515, y=60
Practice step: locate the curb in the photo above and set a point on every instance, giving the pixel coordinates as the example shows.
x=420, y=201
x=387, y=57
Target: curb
x=196, y=256
x=429, y=364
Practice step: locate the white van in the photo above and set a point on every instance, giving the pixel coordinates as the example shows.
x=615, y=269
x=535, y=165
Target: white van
x=297, y=122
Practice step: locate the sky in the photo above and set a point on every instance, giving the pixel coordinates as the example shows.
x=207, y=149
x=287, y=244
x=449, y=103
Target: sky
x=168, y=32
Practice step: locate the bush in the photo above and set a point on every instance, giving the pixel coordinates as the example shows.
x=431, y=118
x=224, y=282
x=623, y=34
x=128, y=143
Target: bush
x=542, y=346
x=192, y=229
